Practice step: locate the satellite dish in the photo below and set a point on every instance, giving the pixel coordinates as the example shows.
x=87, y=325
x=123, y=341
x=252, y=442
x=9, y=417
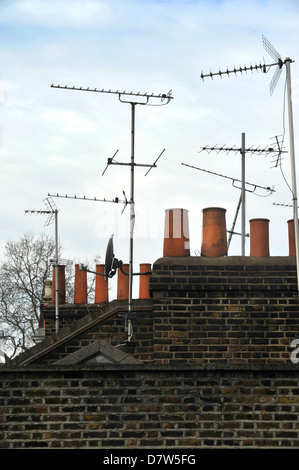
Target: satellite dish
x=110, y=268
x=111, y=264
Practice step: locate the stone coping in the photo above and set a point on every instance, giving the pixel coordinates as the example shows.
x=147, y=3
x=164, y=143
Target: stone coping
x=226, y=261
x=153, y=367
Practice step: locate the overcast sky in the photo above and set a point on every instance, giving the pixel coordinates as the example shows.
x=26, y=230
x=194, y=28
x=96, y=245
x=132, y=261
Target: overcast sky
x=58, y=141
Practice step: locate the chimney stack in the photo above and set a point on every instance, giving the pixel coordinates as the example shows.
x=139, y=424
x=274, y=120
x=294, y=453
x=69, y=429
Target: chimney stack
x=176, y=233
x=259, y=238
x=214, y=237
x=101, y=285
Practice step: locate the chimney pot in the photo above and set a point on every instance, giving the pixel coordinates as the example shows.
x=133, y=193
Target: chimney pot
x=176, y=233
x=259, y=238
x=214, y=237
x=123, y=283
x=144, y=281
x=61, y=284
x=47, y=297
x=291, y=235
x=101, y=285
x=80, y=294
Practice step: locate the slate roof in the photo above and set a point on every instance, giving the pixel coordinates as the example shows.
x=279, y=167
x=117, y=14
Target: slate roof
x=95, y=317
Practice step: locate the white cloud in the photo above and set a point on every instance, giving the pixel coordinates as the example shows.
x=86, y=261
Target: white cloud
x=67, y=121
x=56, y=13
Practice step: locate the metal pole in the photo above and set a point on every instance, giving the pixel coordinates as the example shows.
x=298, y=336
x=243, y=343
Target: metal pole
x=132, y=208
x=243, y=192
x=293, y=169
x=56, y=275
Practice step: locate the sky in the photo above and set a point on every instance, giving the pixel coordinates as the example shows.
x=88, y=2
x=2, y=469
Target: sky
x=57, y=141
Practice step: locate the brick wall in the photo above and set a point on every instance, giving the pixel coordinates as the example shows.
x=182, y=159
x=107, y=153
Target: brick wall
x=229, y=309
x=216, y=343
x=234, y=310
x=150, y=407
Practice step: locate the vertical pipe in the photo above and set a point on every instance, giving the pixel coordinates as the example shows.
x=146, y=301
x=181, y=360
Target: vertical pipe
x=132, y=213
x=56, y=275
x=243, y=193
x=293, y=169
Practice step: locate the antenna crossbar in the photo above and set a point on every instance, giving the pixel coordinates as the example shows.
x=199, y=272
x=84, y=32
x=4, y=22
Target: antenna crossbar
x=255, y=186
x=33, y=211
x=251, y=68
x=235, y=70
x=256, y=151
x=111, y=161
x=282, y=205
x=151, y=165
x=84, y=198
x=154, y=164
x=162, y=96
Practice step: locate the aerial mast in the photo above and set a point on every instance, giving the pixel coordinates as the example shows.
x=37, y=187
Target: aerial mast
x=265, y=68
x=134, y=99
x=243, y=151
x=52, y=213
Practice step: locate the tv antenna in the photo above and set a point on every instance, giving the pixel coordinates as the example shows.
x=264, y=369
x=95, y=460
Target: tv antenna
x=116, y=200
x=243, y=151
x=277, y=72
x=234, y=180
x=134, y=99
x=52, y=213
x=282, y=204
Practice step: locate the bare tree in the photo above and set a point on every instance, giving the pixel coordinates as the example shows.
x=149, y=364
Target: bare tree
x=27, y=265
x=22, y=277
